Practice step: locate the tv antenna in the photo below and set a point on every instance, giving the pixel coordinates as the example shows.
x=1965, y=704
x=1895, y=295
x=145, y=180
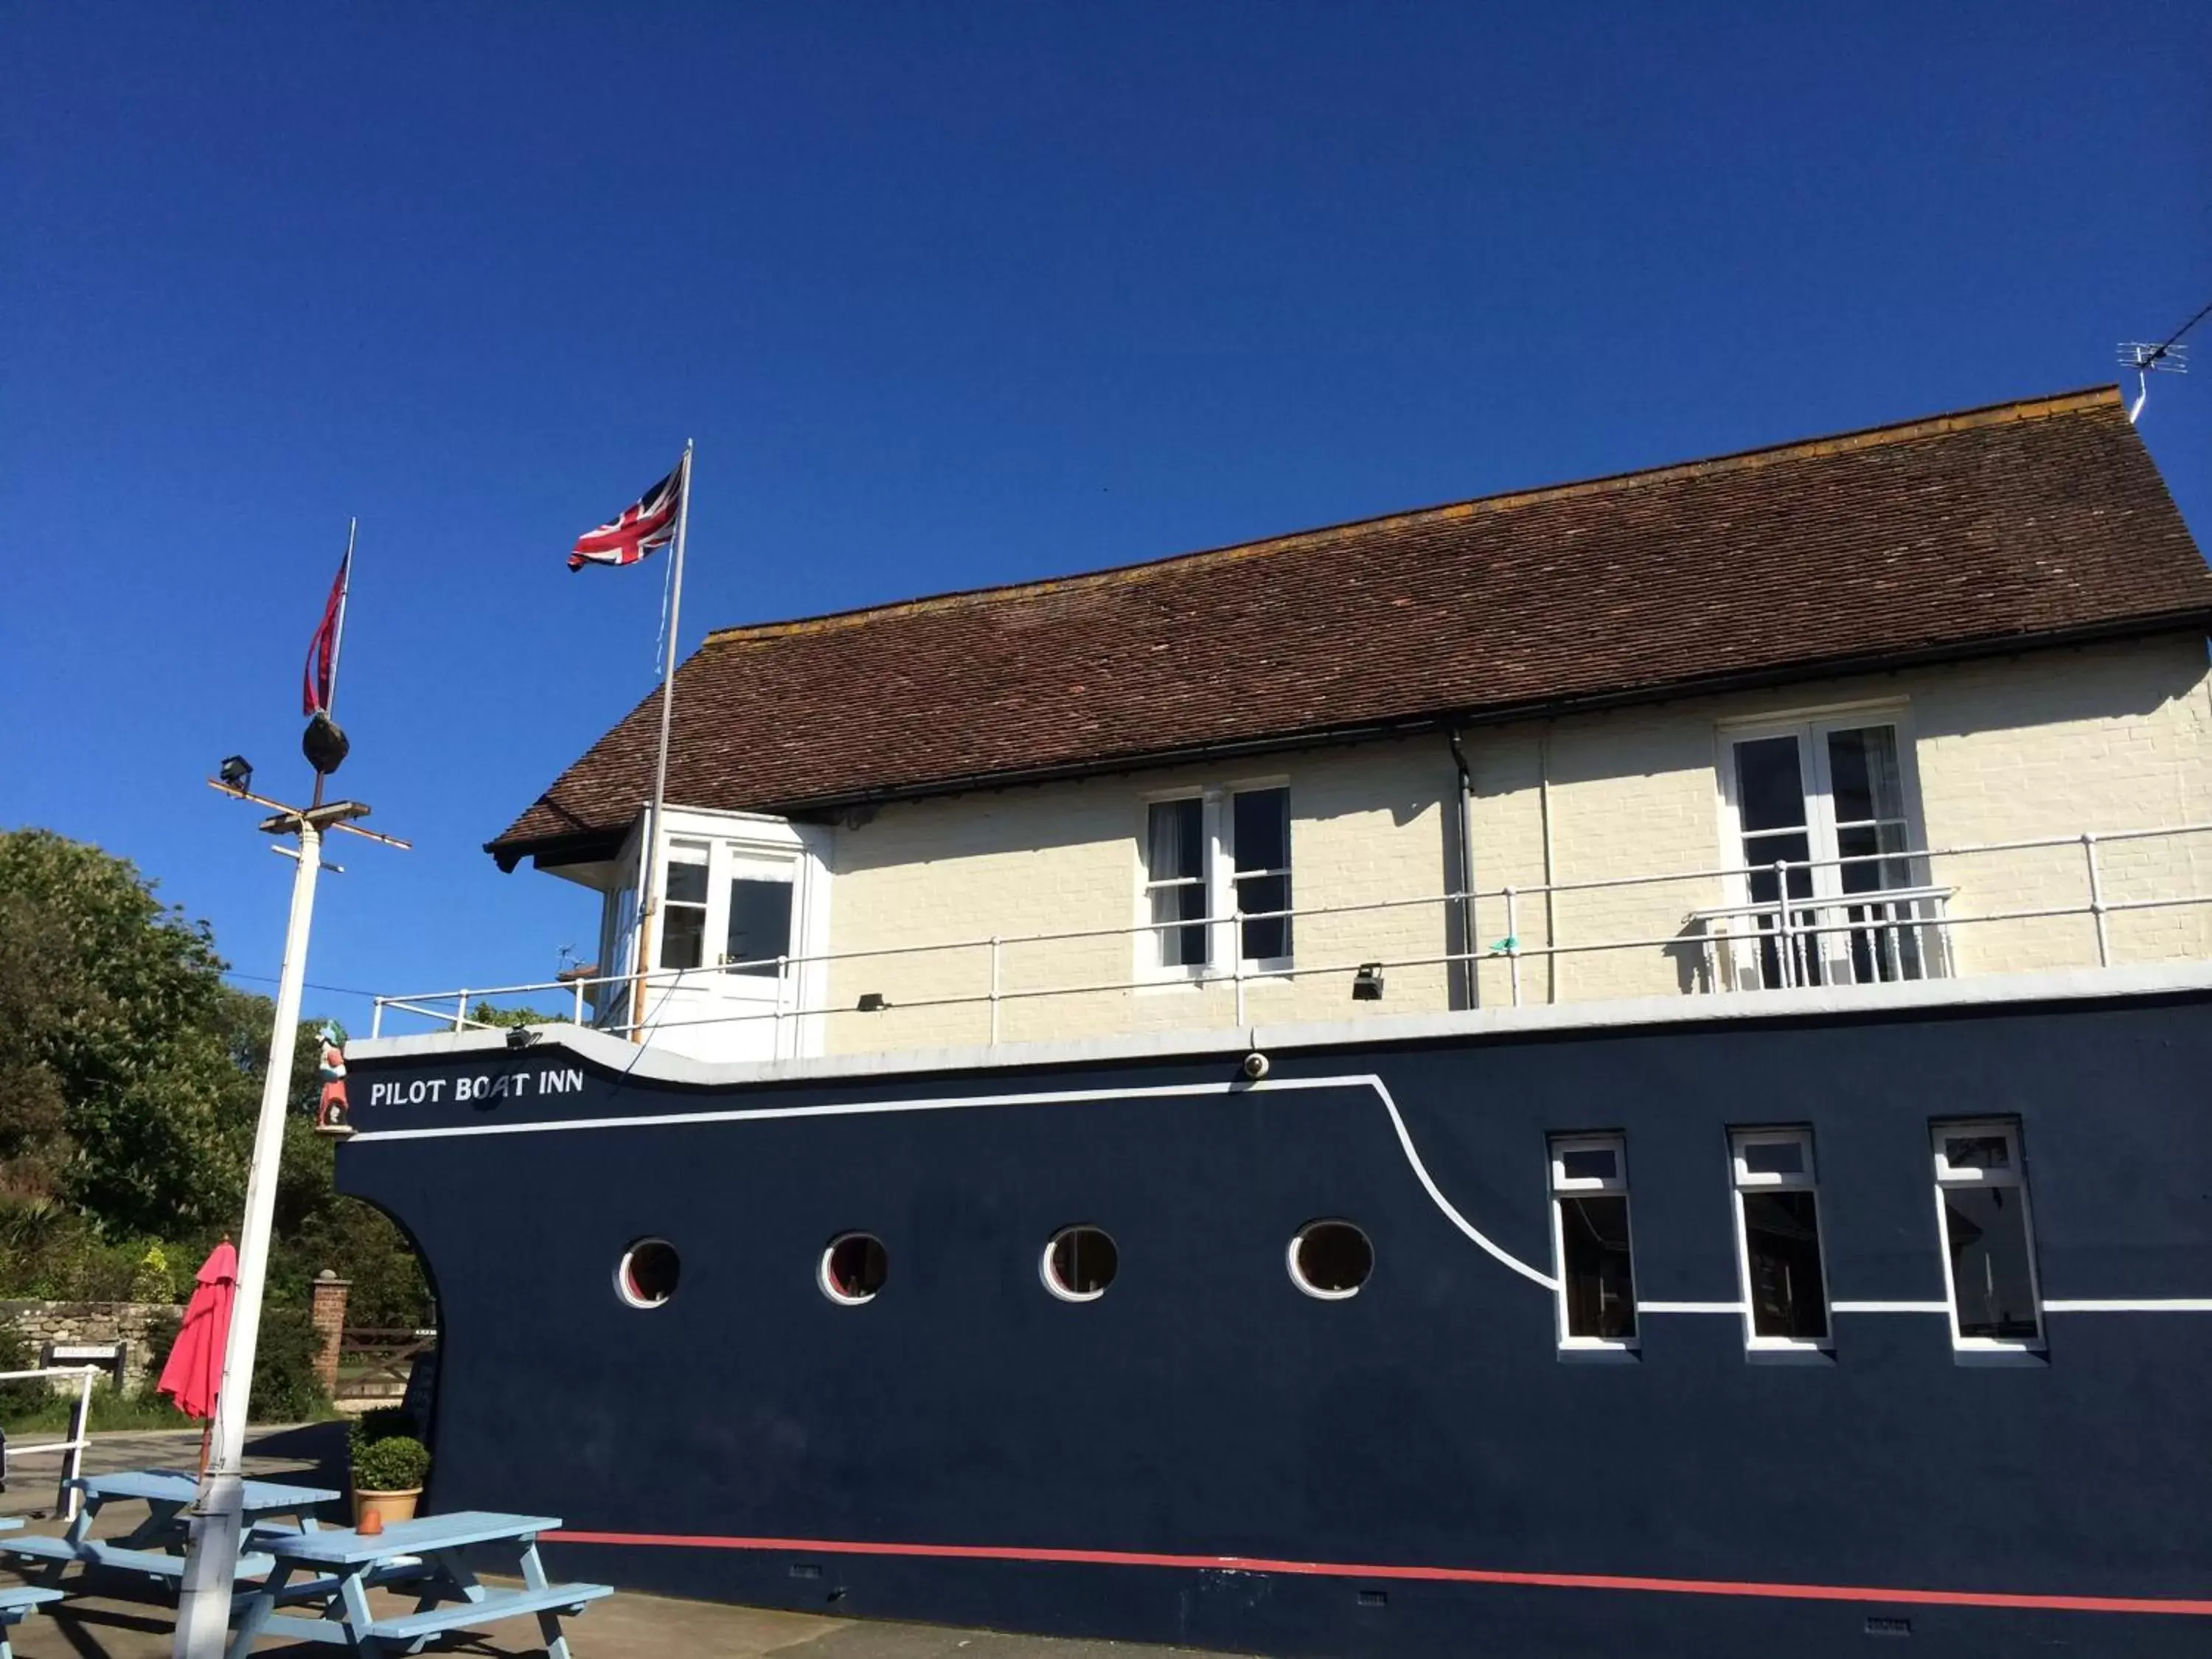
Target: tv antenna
x=2170, y=357
x=2147, y=360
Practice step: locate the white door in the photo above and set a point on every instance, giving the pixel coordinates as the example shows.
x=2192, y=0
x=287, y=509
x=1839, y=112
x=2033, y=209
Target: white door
x=1825, y=808
x=726, y=989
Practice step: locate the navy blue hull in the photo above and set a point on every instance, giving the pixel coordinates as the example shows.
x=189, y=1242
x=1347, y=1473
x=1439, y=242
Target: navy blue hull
x=1415, y=1469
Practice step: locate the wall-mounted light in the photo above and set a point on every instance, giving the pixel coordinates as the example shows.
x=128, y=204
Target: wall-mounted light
x=1367, y=983
x=873, y=1002
x=237, y=771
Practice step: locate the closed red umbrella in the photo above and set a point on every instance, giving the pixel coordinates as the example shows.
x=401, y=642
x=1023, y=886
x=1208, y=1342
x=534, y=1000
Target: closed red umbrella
x=193, y=1373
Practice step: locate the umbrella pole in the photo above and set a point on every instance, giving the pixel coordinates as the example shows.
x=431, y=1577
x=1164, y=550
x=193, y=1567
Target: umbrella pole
x=207, y=1433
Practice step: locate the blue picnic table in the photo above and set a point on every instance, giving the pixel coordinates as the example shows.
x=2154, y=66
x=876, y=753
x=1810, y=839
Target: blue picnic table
x=424, y=1556
x=155, y=1549
x=19, y=1601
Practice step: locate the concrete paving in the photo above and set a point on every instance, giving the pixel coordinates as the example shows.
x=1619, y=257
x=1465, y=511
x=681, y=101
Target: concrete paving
x=624, y=1627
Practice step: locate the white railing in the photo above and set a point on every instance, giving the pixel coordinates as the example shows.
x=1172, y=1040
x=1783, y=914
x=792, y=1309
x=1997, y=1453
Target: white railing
x=72, y=1449
x=1837, y=936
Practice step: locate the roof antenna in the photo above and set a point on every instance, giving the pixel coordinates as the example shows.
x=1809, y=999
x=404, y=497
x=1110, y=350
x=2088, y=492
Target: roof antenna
x=2147, y=360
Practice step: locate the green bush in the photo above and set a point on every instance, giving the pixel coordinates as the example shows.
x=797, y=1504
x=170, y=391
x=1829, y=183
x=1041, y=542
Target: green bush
x=285, y=1387
x=399, y=1463
x=20, y=1399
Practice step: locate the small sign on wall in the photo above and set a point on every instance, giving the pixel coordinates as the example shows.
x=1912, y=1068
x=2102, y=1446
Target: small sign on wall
x=109, y=1356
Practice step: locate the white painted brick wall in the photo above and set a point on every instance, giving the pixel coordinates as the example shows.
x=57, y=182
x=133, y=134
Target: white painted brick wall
x=2103, y=737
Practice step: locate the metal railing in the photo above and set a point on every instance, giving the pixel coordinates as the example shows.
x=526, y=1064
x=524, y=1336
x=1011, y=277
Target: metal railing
x=1823, y=932
x=72, y=1451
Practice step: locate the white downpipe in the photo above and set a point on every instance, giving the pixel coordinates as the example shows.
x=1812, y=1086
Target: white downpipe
x=1551, y=898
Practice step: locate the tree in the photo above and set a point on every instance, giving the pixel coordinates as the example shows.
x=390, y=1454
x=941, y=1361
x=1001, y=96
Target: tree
x=126, y=1091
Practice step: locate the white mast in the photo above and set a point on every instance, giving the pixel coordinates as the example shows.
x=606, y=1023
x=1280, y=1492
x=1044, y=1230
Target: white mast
x=649, y=900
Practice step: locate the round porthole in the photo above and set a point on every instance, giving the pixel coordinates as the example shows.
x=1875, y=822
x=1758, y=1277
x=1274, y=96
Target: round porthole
x=854, y=1269
x=1330, y=1260
x=646, y=1275
x=1079, y=1263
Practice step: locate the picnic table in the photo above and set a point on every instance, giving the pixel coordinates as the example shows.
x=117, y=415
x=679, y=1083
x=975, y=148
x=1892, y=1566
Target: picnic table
x=19, y=1601
x=155, y=1548
x=424, y=1554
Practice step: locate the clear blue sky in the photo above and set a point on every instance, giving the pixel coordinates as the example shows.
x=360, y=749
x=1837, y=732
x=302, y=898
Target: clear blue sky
x=948, y=294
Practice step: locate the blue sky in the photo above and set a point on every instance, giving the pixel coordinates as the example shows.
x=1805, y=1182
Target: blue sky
x=948, y=295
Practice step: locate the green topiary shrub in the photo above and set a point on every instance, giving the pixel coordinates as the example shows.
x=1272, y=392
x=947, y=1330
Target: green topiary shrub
x=382, y=1424
x=399, y=1463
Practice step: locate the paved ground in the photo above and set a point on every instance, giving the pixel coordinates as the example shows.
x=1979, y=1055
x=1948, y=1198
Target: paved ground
x=626, y=1627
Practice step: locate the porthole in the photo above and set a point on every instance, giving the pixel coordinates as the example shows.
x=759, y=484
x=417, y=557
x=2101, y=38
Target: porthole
x=646, y=1275
x=854, y=1269
x=1330, y=1260
x=1079, y=1263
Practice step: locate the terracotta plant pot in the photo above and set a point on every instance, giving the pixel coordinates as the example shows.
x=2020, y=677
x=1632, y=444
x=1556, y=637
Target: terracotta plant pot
x=390, y=1506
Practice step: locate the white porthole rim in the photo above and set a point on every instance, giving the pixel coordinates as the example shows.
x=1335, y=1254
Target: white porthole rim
x=827, y=1282
x=1052, y=1280
x=1298, y=1273
x=623, y=1286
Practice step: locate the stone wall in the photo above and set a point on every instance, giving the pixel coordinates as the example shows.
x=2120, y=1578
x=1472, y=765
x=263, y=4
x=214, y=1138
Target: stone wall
x=42, y=1322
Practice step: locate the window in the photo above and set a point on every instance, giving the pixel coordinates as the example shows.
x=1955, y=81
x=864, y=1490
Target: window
x=1589, y=1225
x=1778, y=1220
x=684, y=908
x=759, y=929
x=1988, y=1252
x=1205, y=856
x=646, y=1276
x=1175, y=859
x=1828, y=800
x=1260, y=843
x=1079, y=1263
x=1330, y=1260
x=854, y=1269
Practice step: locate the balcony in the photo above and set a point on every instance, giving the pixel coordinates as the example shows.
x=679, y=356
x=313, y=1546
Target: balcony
x=2085, y=900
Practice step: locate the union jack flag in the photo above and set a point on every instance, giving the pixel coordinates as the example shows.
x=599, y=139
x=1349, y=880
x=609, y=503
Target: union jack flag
x=645, y=524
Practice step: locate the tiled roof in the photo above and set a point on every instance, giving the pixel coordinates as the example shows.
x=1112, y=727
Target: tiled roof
x=1980, y=530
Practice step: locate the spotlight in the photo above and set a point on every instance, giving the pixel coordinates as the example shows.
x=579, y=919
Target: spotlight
x=873, y=1002
x=1367, y=983
x=521, y=1036
x=237, y=771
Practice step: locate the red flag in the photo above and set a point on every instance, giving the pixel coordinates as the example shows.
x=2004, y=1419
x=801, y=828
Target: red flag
x=645, y=524
x=323, y=648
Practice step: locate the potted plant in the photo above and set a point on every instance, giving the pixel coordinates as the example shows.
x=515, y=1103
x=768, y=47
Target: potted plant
x=387, y=1478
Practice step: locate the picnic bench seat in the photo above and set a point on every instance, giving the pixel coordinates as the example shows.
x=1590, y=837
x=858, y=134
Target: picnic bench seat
x=18, y=1602
x=495, y=1604
x=98, y=1552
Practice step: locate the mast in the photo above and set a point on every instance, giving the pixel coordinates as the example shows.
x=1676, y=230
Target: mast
x=649, y=898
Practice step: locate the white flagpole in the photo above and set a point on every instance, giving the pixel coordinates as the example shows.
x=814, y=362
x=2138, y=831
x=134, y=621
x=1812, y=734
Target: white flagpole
x=649, y=900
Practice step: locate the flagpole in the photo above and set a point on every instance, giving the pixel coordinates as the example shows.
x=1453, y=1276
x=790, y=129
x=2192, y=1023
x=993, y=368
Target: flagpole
x=649, y=900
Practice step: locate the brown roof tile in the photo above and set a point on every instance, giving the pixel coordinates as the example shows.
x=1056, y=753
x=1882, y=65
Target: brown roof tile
x=1994, y=527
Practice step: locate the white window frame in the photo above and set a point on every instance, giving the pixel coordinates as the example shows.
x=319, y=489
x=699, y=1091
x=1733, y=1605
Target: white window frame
x=1812, y=728
x=2014, y=1176
x=1223, y=935
x=1745, y=1180
x=1565, y=1186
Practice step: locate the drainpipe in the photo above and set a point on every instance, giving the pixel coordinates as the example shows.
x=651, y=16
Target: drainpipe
x=1470, y=976
x=1551, y=898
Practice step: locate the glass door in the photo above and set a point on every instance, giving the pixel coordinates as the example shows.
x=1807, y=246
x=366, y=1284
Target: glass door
x=1821, y=809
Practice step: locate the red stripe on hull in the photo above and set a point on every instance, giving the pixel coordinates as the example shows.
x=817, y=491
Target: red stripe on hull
x=1439, y=1575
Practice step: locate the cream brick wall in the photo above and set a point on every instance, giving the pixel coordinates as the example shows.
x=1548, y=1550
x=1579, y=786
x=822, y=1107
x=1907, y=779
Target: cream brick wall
x=2103, y=737
x=1367, y=825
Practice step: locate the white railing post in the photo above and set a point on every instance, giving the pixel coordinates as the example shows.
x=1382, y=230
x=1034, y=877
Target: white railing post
x=1513, y=942
x=2097, y=899
x=1784, y=948
x=460, y=1010
x=69, y=1498
x=376, y=1018
x=994, y=990
x=1237, y=957
x=578, y=1017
